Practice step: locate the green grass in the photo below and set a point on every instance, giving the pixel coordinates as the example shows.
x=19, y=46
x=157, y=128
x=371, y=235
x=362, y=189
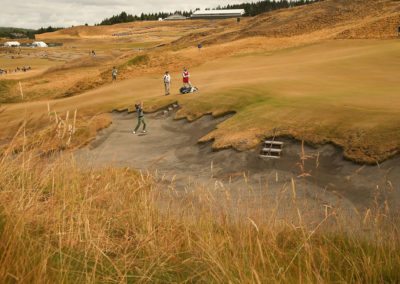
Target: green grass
x=316, y=119
x=138, y=60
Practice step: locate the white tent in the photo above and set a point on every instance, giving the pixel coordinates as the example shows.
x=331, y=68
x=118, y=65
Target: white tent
x=39, y=44
x=12, y=44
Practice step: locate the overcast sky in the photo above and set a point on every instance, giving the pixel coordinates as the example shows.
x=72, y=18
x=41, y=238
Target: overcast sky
x=65, y=13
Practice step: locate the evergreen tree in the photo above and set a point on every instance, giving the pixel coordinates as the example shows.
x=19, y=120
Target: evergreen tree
x=251, y=9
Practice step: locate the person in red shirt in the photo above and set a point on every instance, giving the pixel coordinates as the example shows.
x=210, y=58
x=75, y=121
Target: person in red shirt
x=186, y=78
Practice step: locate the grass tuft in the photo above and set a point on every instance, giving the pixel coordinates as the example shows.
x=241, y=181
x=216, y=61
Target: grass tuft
x=138, y=60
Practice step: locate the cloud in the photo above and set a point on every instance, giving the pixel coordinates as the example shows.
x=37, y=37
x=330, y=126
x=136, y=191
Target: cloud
x=65, y=13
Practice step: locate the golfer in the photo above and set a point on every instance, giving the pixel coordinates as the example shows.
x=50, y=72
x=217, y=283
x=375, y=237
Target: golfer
x=114, y=73
x=186, y=78
x=140, y=116
x=167, y=82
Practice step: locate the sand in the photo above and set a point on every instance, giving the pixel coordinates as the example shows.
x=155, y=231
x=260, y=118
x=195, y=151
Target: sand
x=171, y=151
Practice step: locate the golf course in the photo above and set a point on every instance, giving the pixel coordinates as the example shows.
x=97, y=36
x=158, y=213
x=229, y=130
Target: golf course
x=191, y=200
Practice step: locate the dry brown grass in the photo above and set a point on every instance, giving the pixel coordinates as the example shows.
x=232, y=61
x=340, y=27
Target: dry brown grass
x=55, y=132
x=329, y=19
x=63, y=222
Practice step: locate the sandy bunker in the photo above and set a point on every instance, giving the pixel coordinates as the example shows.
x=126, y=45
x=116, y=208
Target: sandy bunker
x=171, y=149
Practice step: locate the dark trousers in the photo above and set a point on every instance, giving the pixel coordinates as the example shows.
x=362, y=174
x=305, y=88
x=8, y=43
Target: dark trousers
x=140, y=121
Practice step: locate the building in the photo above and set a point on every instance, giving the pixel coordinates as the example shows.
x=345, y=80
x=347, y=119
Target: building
x=218, y=14
x=175, y=17
x=12, y=44
x=39, y=44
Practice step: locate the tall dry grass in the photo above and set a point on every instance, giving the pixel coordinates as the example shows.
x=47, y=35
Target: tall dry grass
x=62, y=222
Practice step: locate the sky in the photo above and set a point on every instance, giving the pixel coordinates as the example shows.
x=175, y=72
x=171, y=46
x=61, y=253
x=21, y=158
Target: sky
x=65, y=13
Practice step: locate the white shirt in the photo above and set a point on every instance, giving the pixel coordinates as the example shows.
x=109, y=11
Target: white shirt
x=167, y=78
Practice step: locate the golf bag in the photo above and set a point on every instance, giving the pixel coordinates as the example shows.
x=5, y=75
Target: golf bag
x=188, y=90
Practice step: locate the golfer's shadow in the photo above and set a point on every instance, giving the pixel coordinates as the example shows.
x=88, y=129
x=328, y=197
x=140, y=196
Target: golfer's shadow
x=142, y=134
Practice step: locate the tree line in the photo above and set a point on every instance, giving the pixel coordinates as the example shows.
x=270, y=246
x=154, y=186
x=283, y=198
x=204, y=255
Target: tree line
x=126, y=18
x=251, y=9
x=16, y=33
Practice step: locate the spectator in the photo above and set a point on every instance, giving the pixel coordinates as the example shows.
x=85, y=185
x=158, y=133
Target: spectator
x=114, y=73
x=167, y=83
x=186, y=78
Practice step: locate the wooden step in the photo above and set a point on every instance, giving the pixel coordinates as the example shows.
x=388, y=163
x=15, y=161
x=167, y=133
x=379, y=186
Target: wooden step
x=269, y=156
x=272, y=150
x=273, y=143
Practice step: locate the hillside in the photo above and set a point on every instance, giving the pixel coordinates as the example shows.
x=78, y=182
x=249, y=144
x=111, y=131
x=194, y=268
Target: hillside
x=329, y=19
x=128, y=30
x=262, y=61
x=374, y=19
x=333, y=18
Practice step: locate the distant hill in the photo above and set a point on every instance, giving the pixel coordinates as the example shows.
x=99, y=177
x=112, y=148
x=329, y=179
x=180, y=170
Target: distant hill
x=10, y=32
x=329, y=19
x=127, y=18
x=339, y=19
x=14, y=33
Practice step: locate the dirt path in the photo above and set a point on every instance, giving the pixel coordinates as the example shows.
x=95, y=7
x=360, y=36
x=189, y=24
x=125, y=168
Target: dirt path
x=170, y=150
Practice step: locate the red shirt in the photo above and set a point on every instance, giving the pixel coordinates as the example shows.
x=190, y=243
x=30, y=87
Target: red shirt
x=185, y=76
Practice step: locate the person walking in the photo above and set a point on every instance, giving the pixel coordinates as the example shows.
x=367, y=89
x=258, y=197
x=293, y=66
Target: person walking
x=140, y=116
x=114, y=73
x=186, y=78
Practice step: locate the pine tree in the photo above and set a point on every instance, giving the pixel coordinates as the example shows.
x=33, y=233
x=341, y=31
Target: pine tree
x=251, y=10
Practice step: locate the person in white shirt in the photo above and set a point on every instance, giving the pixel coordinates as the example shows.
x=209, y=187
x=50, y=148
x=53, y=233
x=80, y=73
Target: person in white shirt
x=114, y=73
x=167, y=82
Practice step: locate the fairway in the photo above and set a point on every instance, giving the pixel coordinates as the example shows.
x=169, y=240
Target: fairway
x=35, y=63
x=344, y=92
